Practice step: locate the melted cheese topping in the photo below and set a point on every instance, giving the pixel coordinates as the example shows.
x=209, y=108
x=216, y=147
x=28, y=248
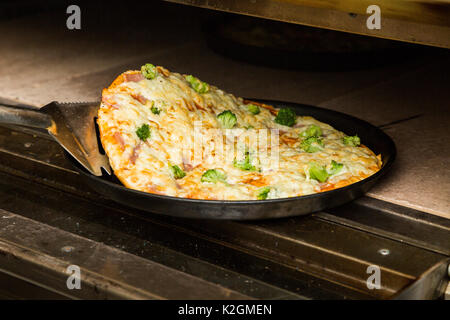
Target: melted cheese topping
x=186, y=115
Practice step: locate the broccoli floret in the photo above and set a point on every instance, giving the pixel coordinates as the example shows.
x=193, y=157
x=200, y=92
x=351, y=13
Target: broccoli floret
x=244, y=165
x=149, y=71
x=155, y=110
x=143, y=132
x=177, y=172
x=227, y=119
x=286, y=117
x=253, y=108
x=196, y=84
x=311, y=144
x=263, y=193
x=335, y=167
x=317, y=172
x=312, y=131
x=213, y=176
x=352, y=141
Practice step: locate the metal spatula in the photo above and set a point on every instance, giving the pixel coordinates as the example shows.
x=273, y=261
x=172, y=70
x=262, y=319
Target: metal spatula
x=70, y=124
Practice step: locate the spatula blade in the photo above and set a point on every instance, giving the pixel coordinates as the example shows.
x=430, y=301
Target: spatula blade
x=74, y=129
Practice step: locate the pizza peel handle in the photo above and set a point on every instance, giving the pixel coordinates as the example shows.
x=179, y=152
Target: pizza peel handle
x=70, y=124
x=24, y=117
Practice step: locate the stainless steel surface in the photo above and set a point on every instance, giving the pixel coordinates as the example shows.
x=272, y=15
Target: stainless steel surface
x=75, y=131
x=418, y=22
x=106, y=272
x=430, y=285
x=16, y=288
x=407, y=225
x=24, y=117
x=70, y=124
x=322, y=256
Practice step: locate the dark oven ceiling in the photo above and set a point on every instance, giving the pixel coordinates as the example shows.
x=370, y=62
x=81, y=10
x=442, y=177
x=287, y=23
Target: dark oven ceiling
x=421, y=21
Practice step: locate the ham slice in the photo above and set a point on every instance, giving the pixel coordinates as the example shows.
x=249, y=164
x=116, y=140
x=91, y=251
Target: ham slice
x=187, y=165
x=133, y=77
x=109, y=103
x=119, y=140
x=135, y=153
x=140, y=98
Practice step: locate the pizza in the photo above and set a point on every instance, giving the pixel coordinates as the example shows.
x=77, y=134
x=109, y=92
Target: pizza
x=171, y=134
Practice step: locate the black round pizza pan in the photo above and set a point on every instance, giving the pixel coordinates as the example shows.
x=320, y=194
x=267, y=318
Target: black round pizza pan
x=373, y=137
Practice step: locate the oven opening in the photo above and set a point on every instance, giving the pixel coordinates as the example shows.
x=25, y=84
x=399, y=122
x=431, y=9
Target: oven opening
x=268, y=150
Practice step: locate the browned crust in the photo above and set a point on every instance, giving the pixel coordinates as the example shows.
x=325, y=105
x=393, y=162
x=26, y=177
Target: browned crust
x=106, y=134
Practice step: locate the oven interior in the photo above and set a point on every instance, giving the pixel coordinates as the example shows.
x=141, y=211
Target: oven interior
x=49, y=219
